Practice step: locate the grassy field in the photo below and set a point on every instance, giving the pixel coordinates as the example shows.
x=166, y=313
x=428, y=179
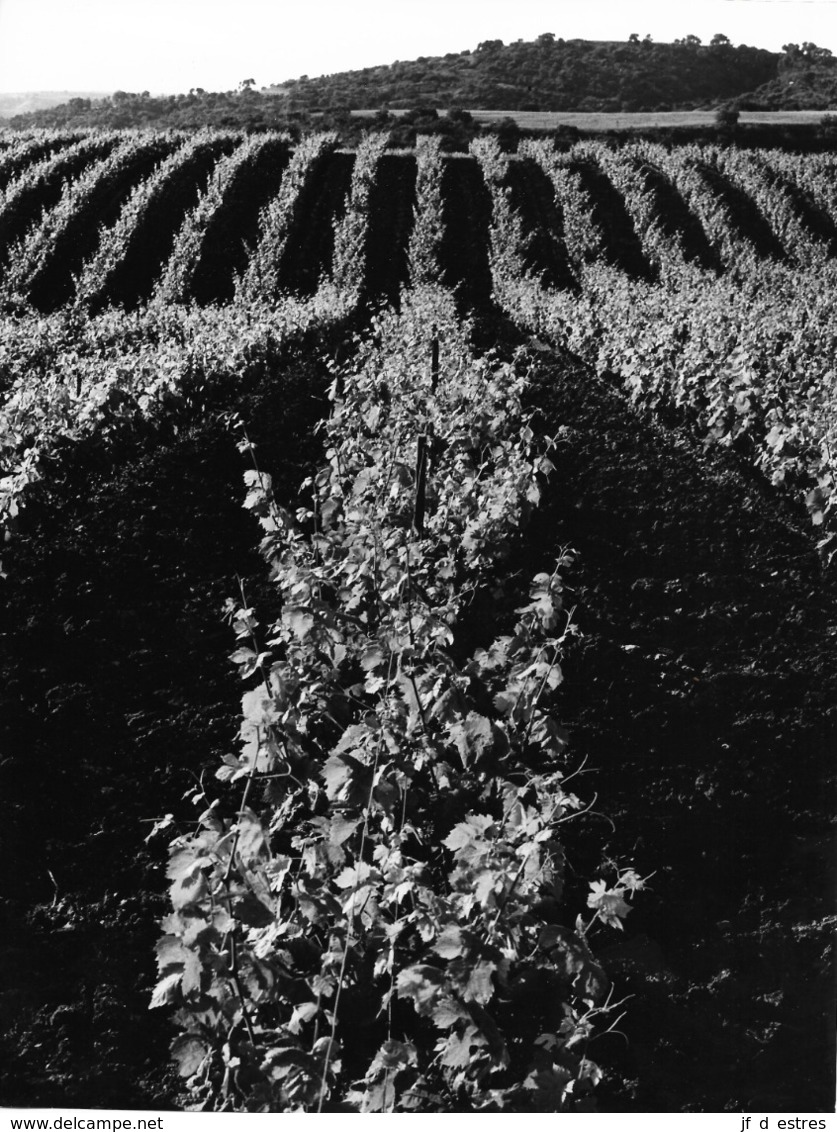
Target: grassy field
x=546, y=120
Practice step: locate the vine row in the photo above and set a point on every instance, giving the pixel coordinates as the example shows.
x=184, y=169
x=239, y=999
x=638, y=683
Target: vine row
x=378, y=923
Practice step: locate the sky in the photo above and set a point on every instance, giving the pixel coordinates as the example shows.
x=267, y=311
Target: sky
x=168, y=46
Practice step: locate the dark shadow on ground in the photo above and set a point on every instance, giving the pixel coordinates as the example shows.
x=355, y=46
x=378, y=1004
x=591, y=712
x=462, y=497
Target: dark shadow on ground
x=703, y=696
x=116, y=694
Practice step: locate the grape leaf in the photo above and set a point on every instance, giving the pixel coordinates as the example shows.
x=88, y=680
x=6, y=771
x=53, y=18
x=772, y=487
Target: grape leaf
x=422, y=984
x=191, y=979
x=337, y=773
x=299, y=620
x=456, y=1052
x=251, y=844
x=609, y=903
x=447, y=1012
x=480, y=987
x=170, y=953
x=188, y=1052
x=484, y=886
x=449, y=944
x=341, y=829
x=166, y=990
x=468, y=831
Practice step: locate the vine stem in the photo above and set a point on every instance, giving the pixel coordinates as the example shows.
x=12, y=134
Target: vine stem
x=349, y=932
x=350, y=929
x=228, y=896
x=234, y=849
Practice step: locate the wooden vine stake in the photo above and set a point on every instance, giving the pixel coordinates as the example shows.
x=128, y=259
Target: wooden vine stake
x=425, y=443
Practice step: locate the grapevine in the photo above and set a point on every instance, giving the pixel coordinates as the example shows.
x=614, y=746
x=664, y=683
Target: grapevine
x=341, y=873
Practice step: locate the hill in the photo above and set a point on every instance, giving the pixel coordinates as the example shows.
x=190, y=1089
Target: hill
x=573, y=75
x=806, y=80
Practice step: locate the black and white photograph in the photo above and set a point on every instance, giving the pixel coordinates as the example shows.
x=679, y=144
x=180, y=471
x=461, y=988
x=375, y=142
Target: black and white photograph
x=418, y=561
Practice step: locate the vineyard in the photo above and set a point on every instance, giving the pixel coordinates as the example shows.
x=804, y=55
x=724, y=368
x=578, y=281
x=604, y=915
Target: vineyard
x=505, y=483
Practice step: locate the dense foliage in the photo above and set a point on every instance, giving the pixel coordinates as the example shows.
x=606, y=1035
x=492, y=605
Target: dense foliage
x=806, y=80
x=551, y=74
